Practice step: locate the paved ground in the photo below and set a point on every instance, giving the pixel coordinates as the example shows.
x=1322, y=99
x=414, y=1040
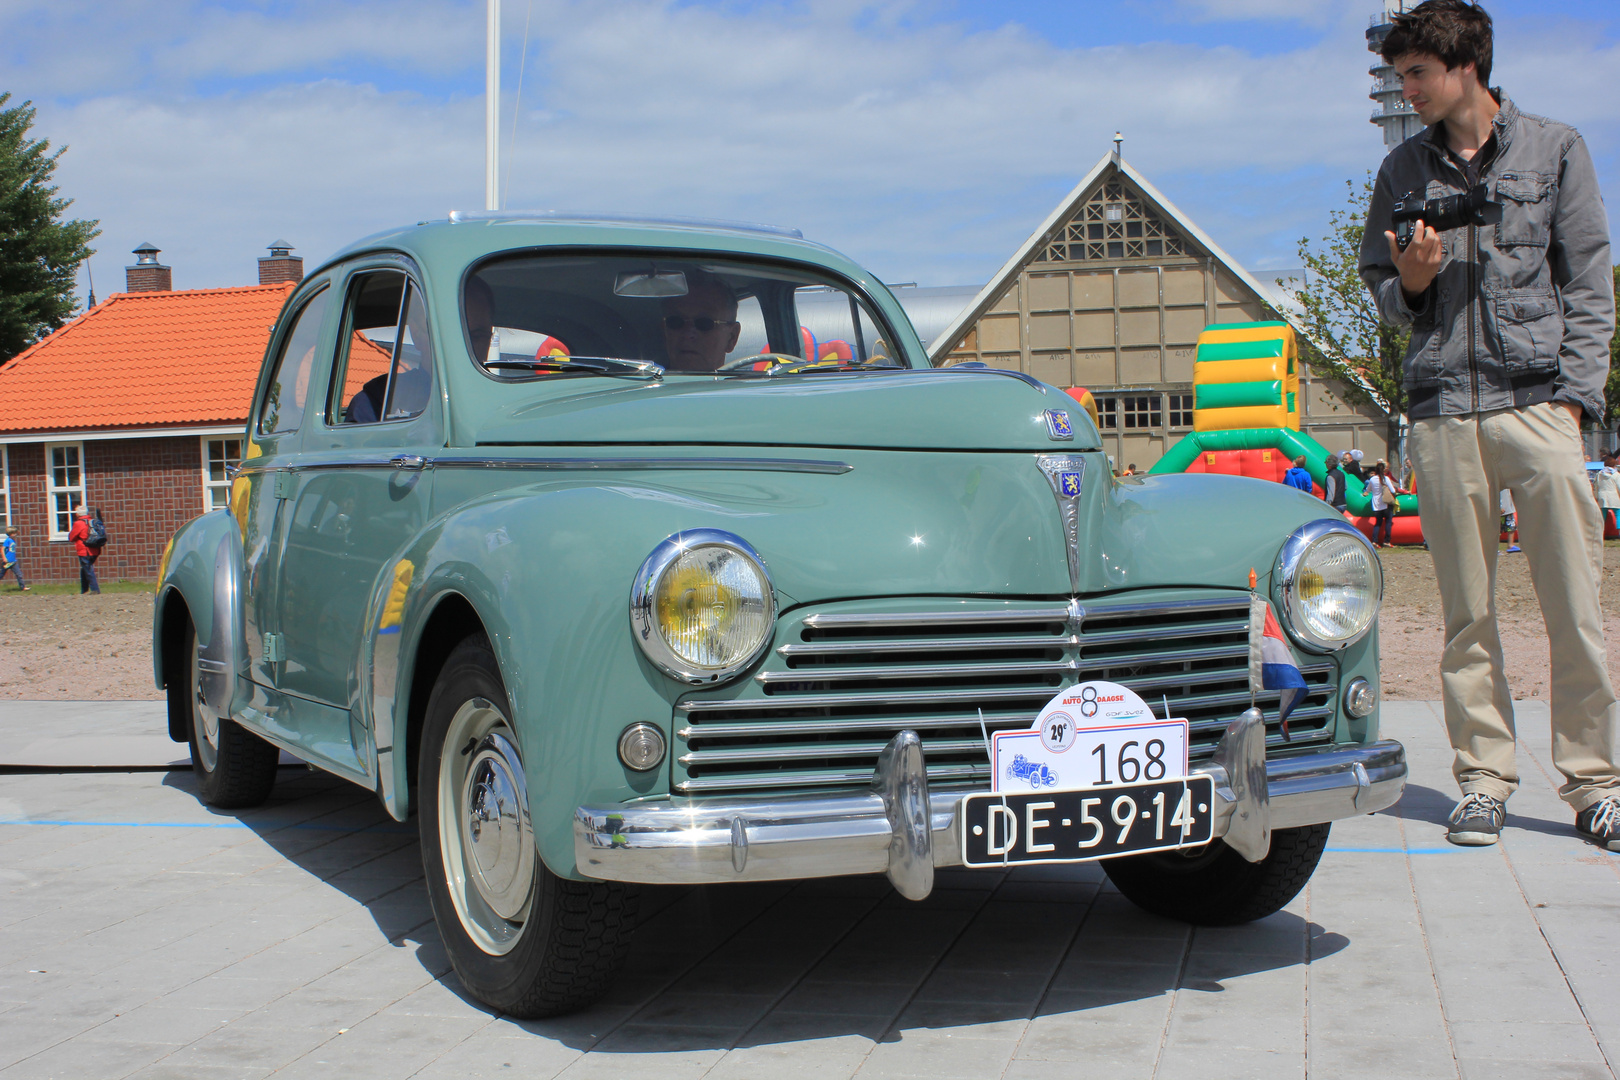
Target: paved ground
x=142, y=935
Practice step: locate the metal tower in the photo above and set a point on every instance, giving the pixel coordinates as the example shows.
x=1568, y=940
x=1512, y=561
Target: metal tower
x=1393, y=114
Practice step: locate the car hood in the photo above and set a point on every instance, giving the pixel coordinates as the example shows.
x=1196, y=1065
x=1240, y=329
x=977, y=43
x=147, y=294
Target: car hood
x=947, y=409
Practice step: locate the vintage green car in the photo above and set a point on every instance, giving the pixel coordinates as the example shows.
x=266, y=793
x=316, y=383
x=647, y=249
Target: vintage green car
x=630, y=551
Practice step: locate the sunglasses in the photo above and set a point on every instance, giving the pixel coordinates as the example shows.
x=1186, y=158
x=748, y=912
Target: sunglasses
x=701, y=323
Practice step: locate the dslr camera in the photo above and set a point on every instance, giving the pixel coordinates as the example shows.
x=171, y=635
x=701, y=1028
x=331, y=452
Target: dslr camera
x=1472, y=207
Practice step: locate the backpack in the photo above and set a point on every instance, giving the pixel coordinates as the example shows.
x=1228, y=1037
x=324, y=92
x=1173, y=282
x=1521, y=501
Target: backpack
x=97, y=535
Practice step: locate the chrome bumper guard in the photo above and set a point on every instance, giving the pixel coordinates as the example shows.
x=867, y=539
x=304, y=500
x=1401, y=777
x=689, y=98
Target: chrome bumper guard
x=901, y=829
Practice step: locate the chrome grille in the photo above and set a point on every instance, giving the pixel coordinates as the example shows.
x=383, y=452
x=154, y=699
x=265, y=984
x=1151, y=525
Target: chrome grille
x=841, y=683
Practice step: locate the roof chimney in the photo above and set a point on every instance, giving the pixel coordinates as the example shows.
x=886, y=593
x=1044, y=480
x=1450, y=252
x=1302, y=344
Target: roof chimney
x=148, y=275
x=282, y=265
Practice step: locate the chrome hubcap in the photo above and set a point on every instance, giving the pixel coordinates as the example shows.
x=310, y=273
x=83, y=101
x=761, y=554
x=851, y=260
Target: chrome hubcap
x=485, y=835
x=205, y=719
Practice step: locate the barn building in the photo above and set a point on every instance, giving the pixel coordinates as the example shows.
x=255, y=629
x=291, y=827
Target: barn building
x=1110, y=292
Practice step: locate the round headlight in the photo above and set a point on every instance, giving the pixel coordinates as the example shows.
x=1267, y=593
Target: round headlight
x=1331, y=585
x=702, y=607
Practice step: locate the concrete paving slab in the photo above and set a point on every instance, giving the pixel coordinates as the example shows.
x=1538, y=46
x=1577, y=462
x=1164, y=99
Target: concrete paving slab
x=142, y=934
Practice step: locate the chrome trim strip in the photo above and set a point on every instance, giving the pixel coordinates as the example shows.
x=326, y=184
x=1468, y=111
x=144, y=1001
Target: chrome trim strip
x=1162, y=633
x=924, y=671
x=1042, y=694
x=885, y=725
x=939, y=618
x=791, y=465
x=794, y=650
x=1008, y=372
x=831, y=674
x=685, y=841
x=415, y=462
x=1169, y=607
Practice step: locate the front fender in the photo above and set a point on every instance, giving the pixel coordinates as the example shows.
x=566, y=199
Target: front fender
x=549, y=574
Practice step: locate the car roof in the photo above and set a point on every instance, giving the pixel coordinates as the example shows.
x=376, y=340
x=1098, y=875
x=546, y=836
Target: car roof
x=469, y=235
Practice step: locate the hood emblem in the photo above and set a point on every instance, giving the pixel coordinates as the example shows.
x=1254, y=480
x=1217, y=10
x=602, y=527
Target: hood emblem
x=1067, y=474
x=1058, y=426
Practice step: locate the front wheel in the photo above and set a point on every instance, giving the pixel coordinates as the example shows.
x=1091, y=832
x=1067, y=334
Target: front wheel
x=234, y=767
x=523, y=940
x=1214, y=885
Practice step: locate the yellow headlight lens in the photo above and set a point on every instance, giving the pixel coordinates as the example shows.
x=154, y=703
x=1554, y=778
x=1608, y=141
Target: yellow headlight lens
x=712, y=606
x=1337, y=588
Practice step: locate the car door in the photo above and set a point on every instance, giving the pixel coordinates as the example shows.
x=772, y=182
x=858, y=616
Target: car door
x=265, y=480
x=358, y=500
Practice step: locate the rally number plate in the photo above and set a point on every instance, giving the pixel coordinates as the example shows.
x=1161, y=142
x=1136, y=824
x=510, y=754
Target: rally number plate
x=1087, y=823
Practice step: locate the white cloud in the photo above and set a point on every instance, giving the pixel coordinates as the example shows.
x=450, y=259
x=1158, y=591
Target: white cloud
x=927, y=153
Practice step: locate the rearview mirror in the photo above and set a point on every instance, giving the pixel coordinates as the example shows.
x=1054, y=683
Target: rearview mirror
x=650, y=283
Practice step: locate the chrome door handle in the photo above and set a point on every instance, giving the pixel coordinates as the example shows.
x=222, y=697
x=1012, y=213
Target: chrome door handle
x=412, y=462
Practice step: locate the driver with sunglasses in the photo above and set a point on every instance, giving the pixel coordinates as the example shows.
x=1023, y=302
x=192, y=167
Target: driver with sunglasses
x=701, y=327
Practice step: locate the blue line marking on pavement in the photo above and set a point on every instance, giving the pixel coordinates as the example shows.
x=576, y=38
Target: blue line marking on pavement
x=269, y=826
x=1397, y=850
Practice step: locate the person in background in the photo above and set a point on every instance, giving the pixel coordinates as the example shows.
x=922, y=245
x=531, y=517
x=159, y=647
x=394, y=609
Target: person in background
x=1408, y=477
x=1510, y=521
x=87, y=554
x=1297, y=477
x=1352, y=464
x=1333, y=492
x=1130, y=470
x=1607, y=490
x=1381, y=492
x=8, y=558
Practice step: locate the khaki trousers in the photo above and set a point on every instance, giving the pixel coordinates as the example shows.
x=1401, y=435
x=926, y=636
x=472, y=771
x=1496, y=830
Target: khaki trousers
x=1462, y=463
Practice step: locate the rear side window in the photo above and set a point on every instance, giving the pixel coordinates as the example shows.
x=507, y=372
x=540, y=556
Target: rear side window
x=386, y=363
x=288, y=395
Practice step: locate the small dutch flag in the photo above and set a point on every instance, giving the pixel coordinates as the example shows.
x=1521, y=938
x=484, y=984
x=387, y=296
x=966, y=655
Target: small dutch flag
x=1271, y=661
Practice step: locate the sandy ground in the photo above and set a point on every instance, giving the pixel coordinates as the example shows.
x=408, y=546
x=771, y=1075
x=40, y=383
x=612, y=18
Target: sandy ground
x=99, y=647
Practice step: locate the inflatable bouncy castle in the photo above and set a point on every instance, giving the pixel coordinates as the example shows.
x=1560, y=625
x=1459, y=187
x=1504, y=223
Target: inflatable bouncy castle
x=1246, y=410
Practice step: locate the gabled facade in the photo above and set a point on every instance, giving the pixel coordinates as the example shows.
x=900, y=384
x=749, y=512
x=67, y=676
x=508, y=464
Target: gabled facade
x=1110, y=293
x=137, y=408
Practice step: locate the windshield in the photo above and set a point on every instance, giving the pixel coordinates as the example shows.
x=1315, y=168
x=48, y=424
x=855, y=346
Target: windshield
x=535, y=316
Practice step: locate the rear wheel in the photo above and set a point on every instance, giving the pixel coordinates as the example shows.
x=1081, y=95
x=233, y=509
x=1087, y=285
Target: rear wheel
x=235, y=768
x=1214, y=885
x=523, y=940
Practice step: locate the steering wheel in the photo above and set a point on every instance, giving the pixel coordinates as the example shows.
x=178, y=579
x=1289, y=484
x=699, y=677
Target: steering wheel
x=775, y=359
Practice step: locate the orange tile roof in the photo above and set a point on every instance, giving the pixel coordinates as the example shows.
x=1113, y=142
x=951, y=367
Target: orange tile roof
x=137, y=360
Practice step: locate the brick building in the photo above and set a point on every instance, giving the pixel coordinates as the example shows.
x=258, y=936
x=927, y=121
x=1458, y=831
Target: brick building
x=137, y=407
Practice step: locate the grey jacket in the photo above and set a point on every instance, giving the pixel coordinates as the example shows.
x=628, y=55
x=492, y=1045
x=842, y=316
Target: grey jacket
x=1520, y=312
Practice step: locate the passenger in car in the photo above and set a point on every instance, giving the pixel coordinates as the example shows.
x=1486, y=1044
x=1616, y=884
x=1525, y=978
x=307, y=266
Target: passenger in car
x=701, y=327
x=411, y=378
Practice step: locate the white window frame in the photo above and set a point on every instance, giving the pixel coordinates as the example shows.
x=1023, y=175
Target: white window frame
x=209, y=483
x=5, y=488
x=52, y=490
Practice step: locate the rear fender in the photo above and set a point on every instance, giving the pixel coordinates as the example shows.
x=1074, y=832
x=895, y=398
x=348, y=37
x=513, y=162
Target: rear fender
x=204, y=568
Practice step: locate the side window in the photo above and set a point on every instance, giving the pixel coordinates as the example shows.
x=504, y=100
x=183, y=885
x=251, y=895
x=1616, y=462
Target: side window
x=386, y=367
x=834, y=325
x=289, y=388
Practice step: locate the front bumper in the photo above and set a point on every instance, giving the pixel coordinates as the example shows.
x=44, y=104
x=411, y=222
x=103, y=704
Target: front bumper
x=901, y=829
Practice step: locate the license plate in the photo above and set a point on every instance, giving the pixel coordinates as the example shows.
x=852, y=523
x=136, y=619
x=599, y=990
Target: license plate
x=1087, y=823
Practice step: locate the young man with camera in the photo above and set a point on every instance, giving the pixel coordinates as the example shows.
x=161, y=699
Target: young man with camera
x=1511, y=308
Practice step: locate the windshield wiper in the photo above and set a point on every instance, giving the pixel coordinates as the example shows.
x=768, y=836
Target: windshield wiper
x=583, y=365
x=820, y=367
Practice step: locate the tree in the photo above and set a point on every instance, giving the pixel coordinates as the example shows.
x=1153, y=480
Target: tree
x=1344, y=338
x=39, y=252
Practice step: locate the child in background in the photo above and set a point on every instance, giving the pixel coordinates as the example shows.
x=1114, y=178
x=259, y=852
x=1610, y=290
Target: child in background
x=8, y=558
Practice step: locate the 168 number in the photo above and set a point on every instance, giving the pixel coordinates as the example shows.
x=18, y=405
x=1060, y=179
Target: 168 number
x=1128, y=767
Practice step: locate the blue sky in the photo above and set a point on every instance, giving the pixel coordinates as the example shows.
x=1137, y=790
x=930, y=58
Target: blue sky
x=924, y=137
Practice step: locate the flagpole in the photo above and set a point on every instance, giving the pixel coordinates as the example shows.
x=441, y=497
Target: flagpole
x=492, y=108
